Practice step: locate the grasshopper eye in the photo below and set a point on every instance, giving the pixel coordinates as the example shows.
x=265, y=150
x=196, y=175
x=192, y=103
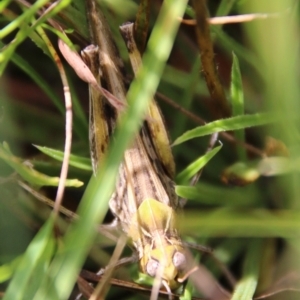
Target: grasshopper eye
x=179, y=260
x=152, y=267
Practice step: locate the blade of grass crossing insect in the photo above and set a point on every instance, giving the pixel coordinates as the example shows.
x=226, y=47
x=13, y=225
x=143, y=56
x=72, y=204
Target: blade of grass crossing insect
x=66, y=264
x=36, y=257
x=195, y=166
x=233, y=123
x=157, y=53
x=237, y=101
x=246, y=287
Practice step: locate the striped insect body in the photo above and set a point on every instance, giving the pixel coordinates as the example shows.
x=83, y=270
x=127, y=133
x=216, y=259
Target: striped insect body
x=144, y=201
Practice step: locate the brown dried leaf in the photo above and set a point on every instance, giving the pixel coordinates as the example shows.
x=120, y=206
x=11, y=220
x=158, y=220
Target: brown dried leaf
x=84, y=73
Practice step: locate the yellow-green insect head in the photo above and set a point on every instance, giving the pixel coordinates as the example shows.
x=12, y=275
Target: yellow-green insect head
x=168, y=262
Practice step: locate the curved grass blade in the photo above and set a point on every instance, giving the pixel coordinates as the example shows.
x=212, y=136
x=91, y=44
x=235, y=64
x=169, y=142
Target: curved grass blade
x=29, y=174
x=197, y=165
x=233, y=123
x=76, y=161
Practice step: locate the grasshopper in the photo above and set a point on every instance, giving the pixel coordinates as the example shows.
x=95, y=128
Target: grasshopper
x=144, y=201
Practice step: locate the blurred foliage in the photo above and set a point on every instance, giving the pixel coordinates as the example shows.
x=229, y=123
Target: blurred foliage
x=252, y=229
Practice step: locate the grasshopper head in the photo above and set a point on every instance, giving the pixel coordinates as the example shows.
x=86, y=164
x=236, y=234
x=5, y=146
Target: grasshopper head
x=167, y=262
x=153, y=233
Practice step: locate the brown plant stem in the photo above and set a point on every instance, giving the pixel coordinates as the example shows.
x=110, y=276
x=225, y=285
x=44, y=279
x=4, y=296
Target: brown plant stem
x=219, y=103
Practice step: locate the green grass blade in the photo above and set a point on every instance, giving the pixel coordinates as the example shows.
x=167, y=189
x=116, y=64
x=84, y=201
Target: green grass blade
x=229, y=44
x=239, y=223
x=237, y=101
x=25, y=31
x=234, y=123
x=225, y=7
x=197, y=165
x=246, y=287
x=76, y=161
x=4, y=4
x=190, y=82
x=8, y=269
x=29, y=174
x=37, y=254
x=209, y=194
x=18, y=22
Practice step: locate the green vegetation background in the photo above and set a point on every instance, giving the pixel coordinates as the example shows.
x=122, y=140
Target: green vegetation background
x=254, y=230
